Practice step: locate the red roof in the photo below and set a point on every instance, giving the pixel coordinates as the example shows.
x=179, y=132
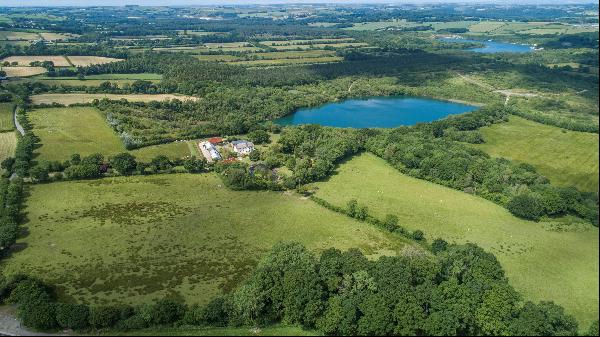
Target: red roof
x=230, y=160
x=215, y=140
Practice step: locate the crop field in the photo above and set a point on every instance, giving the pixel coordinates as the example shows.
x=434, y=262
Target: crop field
x=59, y=61
x=565, y=157
x=74, y=98
x=84, y=130
x=6, y=117
x=82, y=61
x=18, y=36
x=8, y=143
x=23, y=71
x=49, y=36
x=549, y=260
x=134, y=239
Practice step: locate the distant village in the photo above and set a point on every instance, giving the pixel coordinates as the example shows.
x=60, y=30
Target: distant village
x=210, y=148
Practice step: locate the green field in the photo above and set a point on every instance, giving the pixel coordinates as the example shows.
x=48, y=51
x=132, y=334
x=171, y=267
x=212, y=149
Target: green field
x=544, y=261
x=6, y=117
x=8, y=143
x=565, y=157
x=83, y=130
x=134, y=239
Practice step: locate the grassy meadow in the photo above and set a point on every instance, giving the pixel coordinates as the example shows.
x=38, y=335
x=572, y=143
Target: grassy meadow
x=8, y=143
x=550, y=260
x=6, y=117
x=135, y=239
x=83, y=130
x=565, y=157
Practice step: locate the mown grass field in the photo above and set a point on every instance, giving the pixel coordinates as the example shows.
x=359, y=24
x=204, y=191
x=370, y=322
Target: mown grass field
x=565, y=157
x=135, y=239
x=83, y=130
x=75, y=98
x=544, y=261
x=6, y=117
x=23, y=71
x=8, y=143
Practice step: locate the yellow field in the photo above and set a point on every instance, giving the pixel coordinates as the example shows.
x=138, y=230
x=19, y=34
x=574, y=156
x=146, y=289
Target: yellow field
x=59, y=61
x=8, y=143
x=77, y=98
x=82, y=61
x=23, y=71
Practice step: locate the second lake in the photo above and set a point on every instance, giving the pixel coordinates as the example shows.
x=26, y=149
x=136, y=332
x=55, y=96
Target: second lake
x=376, y=112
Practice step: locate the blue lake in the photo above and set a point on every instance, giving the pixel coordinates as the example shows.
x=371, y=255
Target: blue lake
x=376, y=112
x=492, y=46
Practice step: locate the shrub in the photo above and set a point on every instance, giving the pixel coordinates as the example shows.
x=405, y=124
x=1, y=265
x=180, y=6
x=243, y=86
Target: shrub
x=439, y=245
x=103, y=316
x=527, y=206
x=167, y=311
x=72, y=316
x=38, y=315
x=418, y=235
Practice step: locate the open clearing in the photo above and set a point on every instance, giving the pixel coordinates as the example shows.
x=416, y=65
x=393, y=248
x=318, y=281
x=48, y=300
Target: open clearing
x=6, y=117
x=135, y=239
x=83, y=130
x=23, y=71
x=565, y=157
x=8, y=143
x=541, y=261
x=79, y=98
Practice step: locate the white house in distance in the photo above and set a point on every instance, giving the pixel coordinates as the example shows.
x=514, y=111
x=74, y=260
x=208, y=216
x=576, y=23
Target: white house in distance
x=209, y=151
x=242, y=147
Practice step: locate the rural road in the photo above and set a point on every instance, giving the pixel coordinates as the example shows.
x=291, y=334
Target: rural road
x=17, y=125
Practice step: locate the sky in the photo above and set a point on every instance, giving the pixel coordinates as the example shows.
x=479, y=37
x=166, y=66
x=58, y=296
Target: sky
x=224, y=2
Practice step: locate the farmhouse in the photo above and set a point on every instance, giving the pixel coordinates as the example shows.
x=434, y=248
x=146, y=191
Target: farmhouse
x=242, y=147
x=209, y=151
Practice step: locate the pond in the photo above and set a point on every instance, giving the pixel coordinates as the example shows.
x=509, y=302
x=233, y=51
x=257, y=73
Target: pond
x=491, y=47
x=376, y=112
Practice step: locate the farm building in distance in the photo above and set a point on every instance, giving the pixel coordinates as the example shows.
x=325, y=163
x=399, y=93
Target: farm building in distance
x=216, y=140
x=242, y=147
x=209, y=151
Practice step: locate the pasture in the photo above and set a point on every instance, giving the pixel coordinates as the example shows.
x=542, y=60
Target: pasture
x=6, y=117
x=84, y=130
x=18, y=36
x=565, y=157
x=8, y=143
x=550, y=260
x=81, y=98
x=23, y=71
x=135, y=239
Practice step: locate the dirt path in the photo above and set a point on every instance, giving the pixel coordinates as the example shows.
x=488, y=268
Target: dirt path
x=507, y=93
x=16, y=121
